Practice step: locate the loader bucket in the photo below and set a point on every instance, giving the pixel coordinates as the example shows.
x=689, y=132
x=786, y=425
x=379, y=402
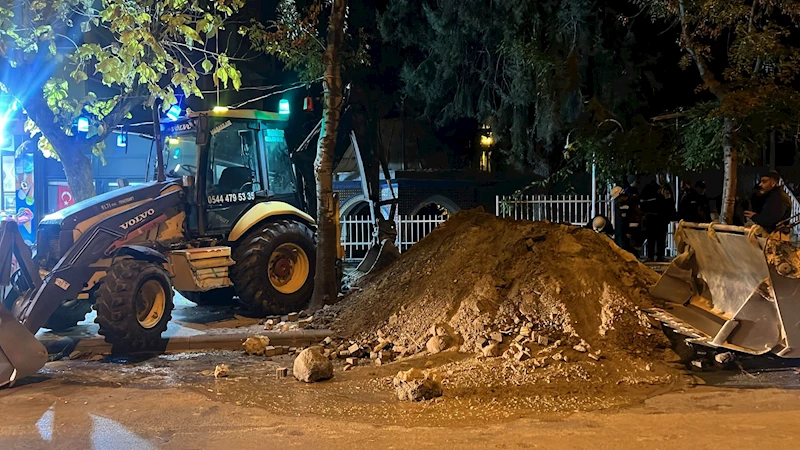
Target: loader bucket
x=378, y=256
x=733, y=287
x=21, y=354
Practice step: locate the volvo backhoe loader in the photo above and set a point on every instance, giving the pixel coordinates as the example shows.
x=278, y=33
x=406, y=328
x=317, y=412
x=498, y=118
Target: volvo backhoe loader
x=735, y=288
x=229, y=218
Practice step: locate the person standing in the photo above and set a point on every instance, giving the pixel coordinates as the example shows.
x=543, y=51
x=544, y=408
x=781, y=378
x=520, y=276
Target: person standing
x=774, y=206
x=657, y=203
x=694, y=206
x=626, y=218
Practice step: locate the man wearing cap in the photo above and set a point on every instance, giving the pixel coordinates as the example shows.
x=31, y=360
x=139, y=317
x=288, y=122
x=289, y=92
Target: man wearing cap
x=776, y=205
x=600, y=224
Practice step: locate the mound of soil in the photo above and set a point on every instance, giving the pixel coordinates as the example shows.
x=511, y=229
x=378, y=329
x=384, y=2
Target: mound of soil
x=542, y=293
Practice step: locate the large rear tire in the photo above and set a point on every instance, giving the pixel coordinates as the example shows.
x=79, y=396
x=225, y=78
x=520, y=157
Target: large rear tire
x=134, y=305
x=275, y=266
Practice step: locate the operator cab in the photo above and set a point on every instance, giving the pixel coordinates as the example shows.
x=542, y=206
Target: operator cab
x=237, y=158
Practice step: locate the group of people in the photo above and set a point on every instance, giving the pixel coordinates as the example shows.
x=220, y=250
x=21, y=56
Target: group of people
x=642, y=218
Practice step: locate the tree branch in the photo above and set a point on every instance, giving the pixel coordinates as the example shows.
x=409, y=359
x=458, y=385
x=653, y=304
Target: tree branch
x=708, y=77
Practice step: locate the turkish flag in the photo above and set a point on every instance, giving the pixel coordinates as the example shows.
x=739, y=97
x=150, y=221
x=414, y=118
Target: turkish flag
x=65, y=198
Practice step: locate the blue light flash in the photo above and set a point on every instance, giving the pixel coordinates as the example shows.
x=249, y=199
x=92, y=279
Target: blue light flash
x=83, y=124
x=283, y=106
x=174, y=112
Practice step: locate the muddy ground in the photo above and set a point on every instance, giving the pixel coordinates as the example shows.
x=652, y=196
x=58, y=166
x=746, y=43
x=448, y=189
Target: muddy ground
x=169, y=402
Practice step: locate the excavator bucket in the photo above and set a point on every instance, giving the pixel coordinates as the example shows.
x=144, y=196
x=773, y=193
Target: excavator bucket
x=378, y=256
x=21, y=354
x=733, y=287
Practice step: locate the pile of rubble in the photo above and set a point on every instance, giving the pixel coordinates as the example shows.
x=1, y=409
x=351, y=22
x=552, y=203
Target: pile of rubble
x=532, y=294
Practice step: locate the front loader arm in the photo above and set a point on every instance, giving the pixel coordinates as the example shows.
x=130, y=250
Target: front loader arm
x=67, y=279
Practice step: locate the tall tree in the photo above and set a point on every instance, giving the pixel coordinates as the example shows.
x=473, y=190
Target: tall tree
x=747, y=56
x=139, y=50
x=296, y=39
x=534, y=71
x=325, y=284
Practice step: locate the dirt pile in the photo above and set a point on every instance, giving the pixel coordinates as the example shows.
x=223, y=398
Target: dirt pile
x=537, y=293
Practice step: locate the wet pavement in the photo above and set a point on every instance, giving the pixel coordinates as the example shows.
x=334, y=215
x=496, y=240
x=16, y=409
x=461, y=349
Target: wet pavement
x=165, y=402
x=174, y=401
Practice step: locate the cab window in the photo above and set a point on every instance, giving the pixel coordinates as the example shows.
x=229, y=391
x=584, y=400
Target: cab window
x=233, y=161
x=279, y=165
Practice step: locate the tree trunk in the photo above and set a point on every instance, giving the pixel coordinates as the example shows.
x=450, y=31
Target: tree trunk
x=78, y=169
x=731, y=162
x=325, y=283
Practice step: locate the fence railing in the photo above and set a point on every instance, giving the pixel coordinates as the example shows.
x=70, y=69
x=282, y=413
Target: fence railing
x=574, y=209
x=357, y=232
x=795, y=207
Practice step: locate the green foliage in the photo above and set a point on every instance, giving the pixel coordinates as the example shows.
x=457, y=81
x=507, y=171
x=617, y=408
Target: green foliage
x=535, y=71
x=748, y=57
x=701, y=130
x=143, y=50
x=298, y=39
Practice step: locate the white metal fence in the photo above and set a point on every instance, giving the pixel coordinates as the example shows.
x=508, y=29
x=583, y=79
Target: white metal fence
x=795, y=208
x=574, y=209
x=357, y=233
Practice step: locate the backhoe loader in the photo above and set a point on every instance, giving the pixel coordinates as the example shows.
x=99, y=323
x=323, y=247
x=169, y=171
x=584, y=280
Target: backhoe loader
x=734, y=288
x=226, y=216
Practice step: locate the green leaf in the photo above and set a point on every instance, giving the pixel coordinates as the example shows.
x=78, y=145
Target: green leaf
x=222, y=75
x=79, y=76
x=207, y=65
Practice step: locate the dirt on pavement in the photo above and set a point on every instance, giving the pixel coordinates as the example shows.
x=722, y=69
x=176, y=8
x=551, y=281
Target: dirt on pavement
x=562, y=307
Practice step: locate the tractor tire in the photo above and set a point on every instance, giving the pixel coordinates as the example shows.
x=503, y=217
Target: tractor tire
x=134, y=305
x=222, y=296
x=274, y=270
x=68, y=315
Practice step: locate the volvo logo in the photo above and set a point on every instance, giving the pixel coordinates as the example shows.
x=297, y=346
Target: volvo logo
x=138, y=219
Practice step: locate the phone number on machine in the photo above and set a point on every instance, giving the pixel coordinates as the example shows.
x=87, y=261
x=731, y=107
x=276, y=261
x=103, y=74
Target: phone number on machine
x=231, y=198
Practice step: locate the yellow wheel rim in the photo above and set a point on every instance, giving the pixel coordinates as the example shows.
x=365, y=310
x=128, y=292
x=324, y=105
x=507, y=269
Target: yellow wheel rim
x=151, y=301
x=289, y=268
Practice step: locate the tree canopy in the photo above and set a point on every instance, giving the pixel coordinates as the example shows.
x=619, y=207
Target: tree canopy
x=746, y=56
x=535, y=71
x=139, y=51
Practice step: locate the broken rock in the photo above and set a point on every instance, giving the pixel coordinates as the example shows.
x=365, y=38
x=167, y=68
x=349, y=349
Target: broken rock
x=491, y=351
x=436, y=344
x=415, y=385
x=222, y=370
x=256, y=345
x=311, y=365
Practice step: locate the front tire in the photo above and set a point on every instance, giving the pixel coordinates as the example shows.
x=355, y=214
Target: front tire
x=134, y=305
x=275, y=266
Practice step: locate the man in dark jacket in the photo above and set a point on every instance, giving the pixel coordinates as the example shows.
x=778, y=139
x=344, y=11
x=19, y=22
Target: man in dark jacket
x=658, y=207
x=694, y=206
x=775, y=203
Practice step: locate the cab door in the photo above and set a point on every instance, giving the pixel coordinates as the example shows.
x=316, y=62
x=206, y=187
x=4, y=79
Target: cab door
x=234, y=177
